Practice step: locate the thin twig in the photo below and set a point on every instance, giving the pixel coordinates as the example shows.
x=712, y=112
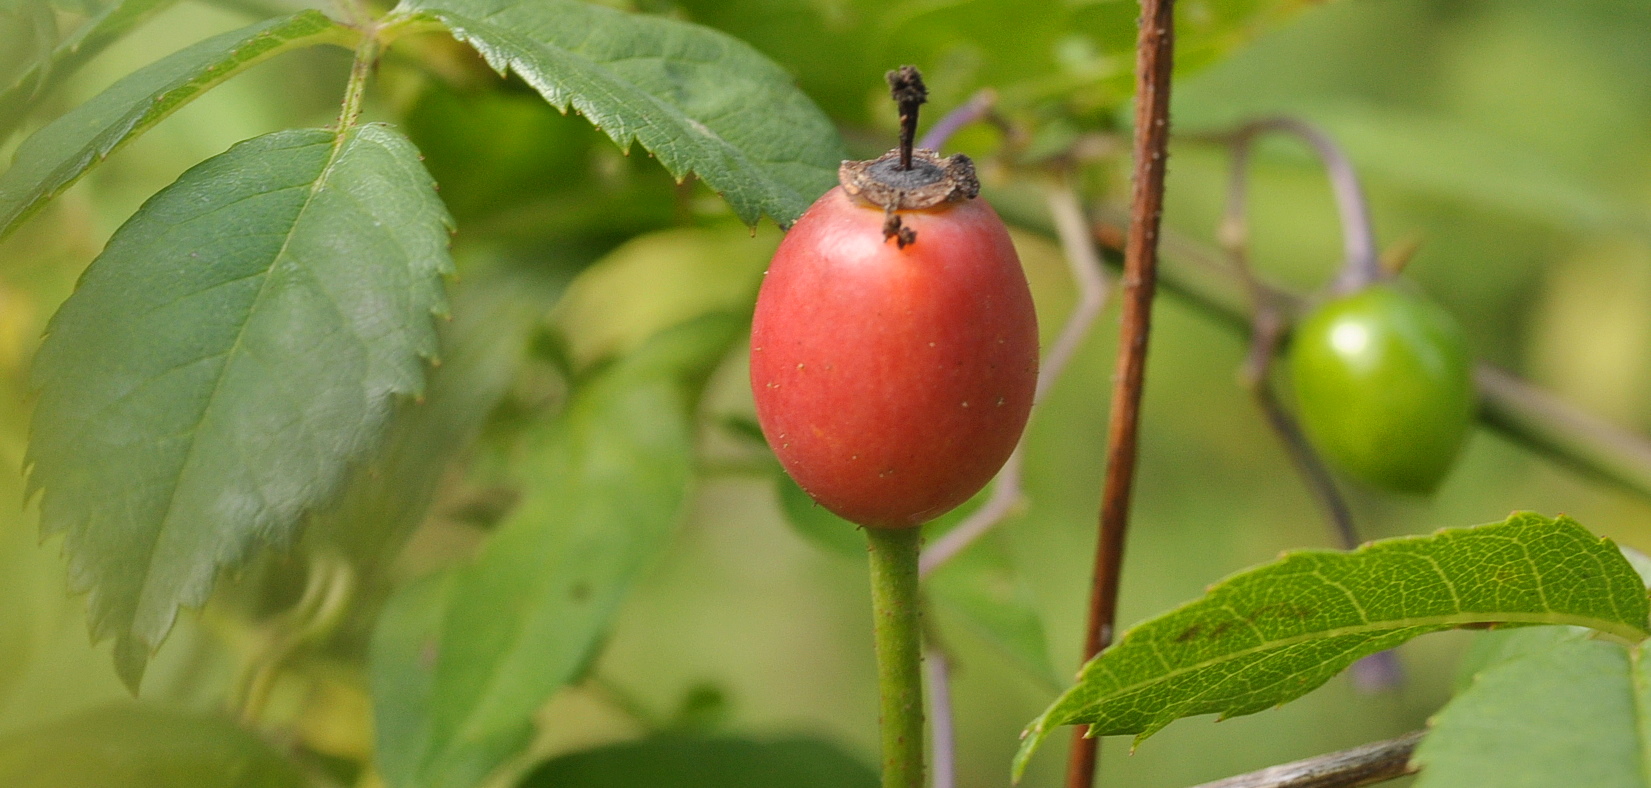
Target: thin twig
x=1313, y=472
x=1268, y=326
x=1084, y=261
x=1379, y=671
x=328, y=589
x=1155, y=56
x=978, y=106
x=937, y=668
x=1005, y=496
x=1363, y=765
x=1520, y=411
x=361, y=70
x=1362, y=264
x=1546, y=423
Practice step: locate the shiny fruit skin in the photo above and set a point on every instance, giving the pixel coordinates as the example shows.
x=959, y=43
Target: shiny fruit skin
x=893, y=383
x=1384, y=387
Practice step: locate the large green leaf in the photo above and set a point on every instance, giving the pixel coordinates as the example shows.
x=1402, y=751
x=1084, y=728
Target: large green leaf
x=57, y=154
x=234, y=348
x=1271, y=634
x=676, y=762
x=1560, y=710
x=104, y=27
x=142, y=746
x=610, y=478
x=699, y=100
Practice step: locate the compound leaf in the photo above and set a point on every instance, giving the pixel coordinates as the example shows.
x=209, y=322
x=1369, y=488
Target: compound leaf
x=699, y=100
x=609, y=479
x=1271, y=634
x=237, y=344
x=57, y=154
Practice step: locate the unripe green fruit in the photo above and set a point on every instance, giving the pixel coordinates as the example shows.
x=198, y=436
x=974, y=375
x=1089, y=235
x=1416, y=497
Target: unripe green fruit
x=1384, y=387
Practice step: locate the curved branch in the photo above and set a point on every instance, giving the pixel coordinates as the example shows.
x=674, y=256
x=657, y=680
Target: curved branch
x=1362, y=264
x=1520, y=411
x=977, y=107
x=937, y=669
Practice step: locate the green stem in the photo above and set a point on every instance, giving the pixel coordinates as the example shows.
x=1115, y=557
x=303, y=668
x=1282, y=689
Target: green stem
x=899, y=636
x=366, y=59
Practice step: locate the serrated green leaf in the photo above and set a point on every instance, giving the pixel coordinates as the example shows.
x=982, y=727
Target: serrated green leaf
x=142, y=746
x=699, y=100
x=105, y=27
x=1271, y=634
x=676, y=762
x=1561, y=710
x=610, y=478
x=237, y=344
x=57, y=154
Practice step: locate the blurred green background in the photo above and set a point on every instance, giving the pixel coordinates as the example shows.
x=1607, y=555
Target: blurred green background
x=1508, y=137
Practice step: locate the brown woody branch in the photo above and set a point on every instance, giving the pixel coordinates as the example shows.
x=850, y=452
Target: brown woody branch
x=1155, y=58
x=1364, y=765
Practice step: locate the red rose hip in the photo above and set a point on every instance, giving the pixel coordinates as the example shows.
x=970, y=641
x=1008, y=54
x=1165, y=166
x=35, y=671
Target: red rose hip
x=894, y=348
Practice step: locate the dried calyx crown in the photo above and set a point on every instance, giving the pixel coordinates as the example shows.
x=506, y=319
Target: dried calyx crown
x=907, y=178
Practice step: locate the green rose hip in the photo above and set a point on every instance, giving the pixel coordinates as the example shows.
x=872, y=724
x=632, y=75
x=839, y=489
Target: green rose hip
x=1383, y=386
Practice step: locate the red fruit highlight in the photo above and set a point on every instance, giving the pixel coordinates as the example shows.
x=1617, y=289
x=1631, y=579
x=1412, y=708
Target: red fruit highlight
x=894, y=371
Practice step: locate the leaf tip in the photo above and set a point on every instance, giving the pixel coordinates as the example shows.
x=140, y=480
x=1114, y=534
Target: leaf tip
x=131, y=660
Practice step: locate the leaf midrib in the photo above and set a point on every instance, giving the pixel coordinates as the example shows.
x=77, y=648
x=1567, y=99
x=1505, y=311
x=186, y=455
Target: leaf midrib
x=1614, y=630
x=335, y=153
